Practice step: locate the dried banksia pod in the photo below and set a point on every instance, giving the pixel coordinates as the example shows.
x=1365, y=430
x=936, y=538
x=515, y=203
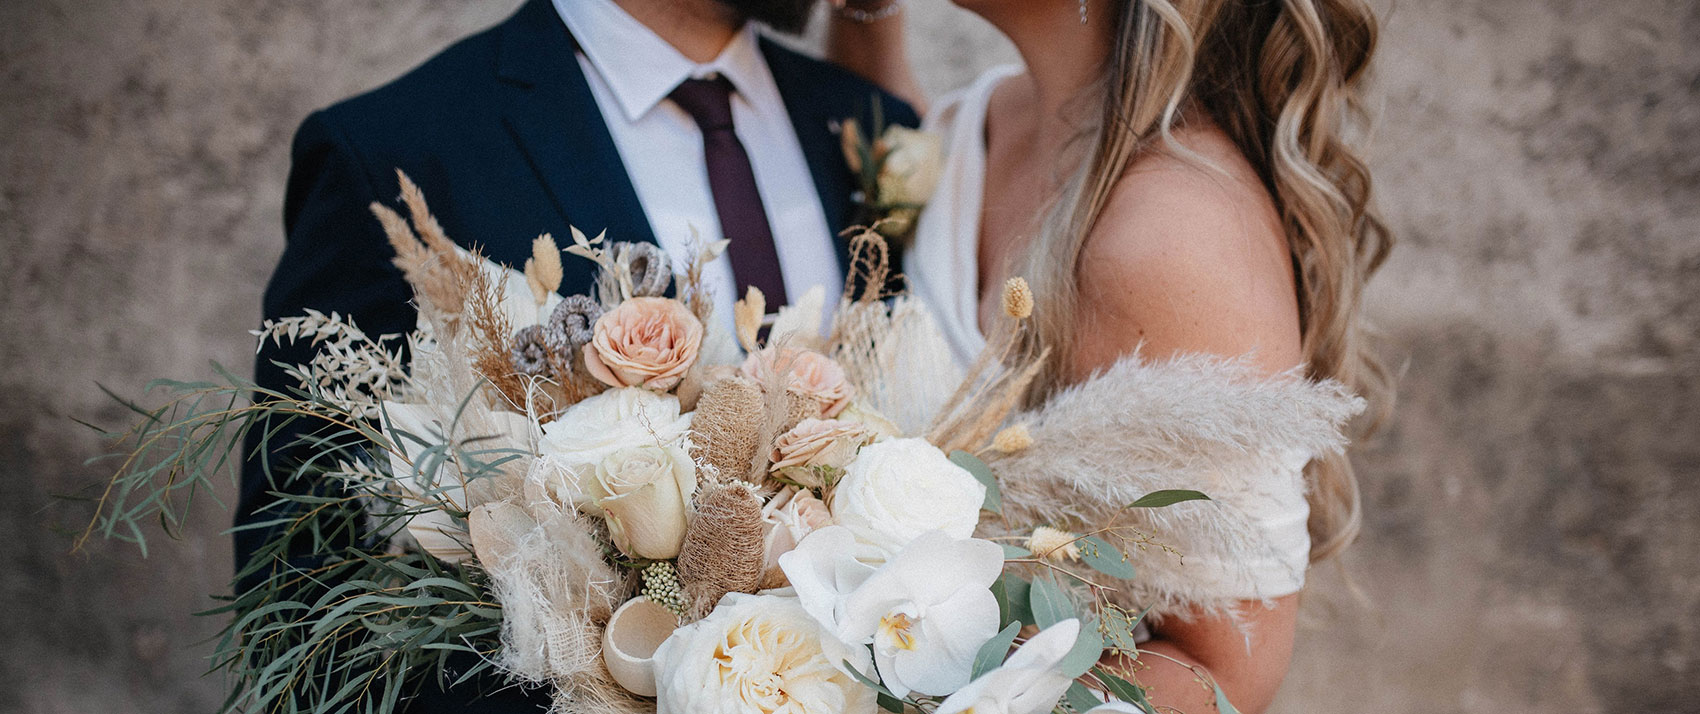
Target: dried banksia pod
x=1054, y=545
x=1013, y=439
x=530, y=352
x=795, y=406
x=572, y=324
x=647, y=264
x=1017, y=299
x=723, y=548
x=728, y=425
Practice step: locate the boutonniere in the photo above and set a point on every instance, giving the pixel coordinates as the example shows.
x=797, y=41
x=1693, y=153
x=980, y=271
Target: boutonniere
x=896, y=170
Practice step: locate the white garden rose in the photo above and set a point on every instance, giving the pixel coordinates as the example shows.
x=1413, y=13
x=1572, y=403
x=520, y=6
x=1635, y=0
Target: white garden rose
x=758, y=654
x=591, y=430
x=643, y=492
x=912, y=165
x=898, y=489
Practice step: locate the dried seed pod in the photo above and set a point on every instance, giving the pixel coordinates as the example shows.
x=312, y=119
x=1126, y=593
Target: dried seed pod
x=728, y=425
x=650, y=270
x=723, y=547
x=572, y=324
x=530, y=354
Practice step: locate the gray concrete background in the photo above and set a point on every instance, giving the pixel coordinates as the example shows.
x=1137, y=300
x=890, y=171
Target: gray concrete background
x=1533, y=515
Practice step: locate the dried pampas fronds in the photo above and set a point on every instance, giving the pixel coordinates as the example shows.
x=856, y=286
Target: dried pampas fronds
x=997, y=382
x=870, y=267
x=688, y=284
x=723, y=549
x=439, y=275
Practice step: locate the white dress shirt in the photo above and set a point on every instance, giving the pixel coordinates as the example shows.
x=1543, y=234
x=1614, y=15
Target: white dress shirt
x=631, y=71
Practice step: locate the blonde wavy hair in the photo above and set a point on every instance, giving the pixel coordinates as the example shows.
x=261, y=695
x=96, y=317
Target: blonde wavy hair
x=1281, y=78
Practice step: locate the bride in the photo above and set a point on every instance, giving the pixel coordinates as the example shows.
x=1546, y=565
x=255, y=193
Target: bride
x=1172, y=179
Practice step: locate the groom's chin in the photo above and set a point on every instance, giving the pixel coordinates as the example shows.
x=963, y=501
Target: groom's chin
x=789, y=16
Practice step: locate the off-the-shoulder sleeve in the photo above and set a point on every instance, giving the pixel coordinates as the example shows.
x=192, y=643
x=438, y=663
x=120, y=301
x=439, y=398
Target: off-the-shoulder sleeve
x=1197, y=423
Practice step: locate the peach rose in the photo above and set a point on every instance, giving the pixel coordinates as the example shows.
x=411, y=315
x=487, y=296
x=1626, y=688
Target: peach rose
x=810, y=372
x=791, y=515
x=819, y=442
x=646, y=342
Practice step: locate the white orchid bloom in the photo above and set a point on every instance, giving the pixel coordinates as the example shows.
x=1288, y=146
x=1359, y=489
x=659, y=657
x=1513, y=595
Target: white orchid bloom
x=1027, y=683
x=926, y=611
x=823, y=571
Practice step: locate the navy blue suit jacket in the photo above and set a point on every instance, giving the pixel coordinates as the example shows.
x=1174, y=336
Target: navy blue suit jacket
x=504, y=137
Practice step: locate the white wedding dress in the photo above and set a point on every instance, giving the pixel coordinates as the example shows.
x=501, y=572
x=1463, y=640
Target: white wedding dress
x=1249, y=459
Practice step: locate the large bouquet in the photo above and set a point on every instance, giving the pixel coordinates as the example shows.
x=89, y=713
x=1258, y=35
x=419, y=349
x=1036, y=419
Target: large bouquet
x=611, y=495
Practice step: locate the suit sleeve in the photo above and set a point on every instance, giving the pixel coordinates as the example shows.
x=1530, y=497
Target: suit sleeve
x=335, y=259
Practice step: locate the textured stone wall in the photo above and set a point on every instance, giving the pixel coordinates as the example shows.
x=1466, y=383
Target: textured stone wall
x=1532, y=513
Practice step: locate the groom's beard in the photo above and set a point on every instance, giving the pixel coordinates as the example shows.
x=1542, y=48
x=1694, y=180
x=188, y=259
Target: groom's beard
x=790, y=16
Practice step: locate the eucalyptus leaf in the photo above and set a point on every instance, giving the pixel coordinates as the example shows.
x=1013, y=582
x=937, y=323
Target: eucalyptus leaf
x=982, y=473
x=1088, y=649
x=1012, y=552
x=1080, y=698
x=1125, y=690
x=1222, y=705
x=1106, y=558
x=871, y=684
x=1167, y=497
x=889, y=703
x=1050, y=604
x=993, y=652
x=1017, y=597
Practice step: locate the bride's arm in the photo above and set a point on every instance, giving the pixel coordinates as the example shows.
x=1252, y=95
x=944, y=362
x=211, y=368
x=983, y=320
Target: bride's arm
x=1186, y=260
x=865, y=39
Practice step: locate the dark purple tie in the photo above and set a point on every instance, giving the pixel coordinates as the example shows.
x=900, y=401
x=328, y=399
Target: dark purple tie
x=755, y=261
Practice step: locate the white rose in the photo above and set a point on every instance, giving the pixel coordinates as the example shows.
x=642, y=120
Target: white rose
x=757, y=654
x=898, y=489
x=591, y=430
x=642, y=492
x=912, y=165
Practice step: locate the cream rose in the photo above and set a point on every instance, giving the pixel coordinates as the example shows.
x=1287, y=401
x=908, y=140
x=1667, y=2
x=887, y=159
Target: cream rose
x=589, y=431
x=818, y=442
x=786, y=519
x=810, y=373
x=758, y=654
x=898, y=489
x=642, y=492
x=913, y=161
x=646, y=341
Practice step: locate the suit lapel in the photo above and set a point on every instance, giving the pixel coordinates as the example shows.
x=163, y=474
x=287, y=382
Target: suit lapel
x=548, y=106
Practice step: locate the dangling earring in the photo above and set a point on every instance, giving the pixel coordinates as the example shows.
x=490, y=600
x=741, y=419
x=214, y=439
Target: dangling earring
x=1082, y=12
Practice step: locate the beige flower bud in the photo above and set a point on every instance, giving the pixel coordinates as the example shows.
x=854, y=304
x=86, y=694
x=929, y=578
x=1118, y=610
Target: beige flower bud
x=1013, y=439
x=1054, y=545
x=1017, y=298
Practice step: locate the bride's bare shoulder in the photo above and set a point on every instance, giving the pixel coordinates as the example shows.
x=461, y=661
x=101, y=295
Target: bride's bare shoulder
x=1189, y=255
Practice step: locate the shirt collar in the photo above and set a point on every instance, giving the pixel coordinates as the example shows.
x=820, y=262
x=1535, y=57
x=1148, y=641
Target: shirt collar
x=640, y=68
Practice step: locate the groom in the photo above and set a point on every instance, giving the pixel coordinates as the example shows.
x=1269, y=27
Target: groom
x=647, y=119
